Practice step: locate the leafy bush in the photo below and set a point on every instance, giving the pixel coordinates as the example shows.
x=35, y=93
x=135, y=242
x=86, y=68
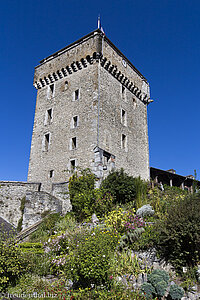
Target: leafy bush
x=148, y=290
x=89, y=260
x=27, y=285
x=103, y=202
x=162, y=200
x=66, y=223
x=50, y=221
x=57, y=245
x=117, y=219
x=157, y=275
x=46, y=228
x=156, y=285
x=40, y=264
x=133, y=222
x=123, y=221
x=176, y=292
x=128, y=239
x=115, y=293
x=120, y=185
x=128, y=225
x=36, y=248
x=85, y=198
x=81, y=191
x=147, y=239
x=125, y=263
x=161, y=287
x=35, y=287
x=178, y=239
x=12, y=264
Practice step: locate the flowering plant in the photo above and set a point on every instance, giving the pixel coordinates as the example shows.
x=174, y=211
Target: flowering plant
x=133, y=223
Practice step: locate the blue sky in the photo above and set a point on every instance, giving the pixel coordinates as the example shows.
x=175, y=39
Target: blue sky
x=161, y=38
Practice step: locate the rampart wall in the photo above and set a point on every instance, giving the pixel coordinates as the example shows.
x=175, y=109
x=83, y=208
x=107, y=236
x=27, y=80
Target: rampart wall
x=15, y=194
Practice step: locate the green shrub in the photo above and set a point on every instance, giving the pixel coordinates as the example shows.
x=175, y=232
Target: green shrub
x=126, y=263
x=40, y=264
x=115, y=293
x=89, y=260
x=46, y=228
x=117, y=219
x=103, y=202
x=148, y=290
x=66, y=223
x=58, y=244
x=162, y=200
x=120, y=185
x=161, y=287
x=157, y=284
x=128, y=239
x=154, y=279
x=147, y=239
x=50, y=221
x=35, y=287
x=12, y=264
x=36, y=248
x=85, y=199
x=176, y=292
x=178, y=239
x=158, y=275
x=27, y=285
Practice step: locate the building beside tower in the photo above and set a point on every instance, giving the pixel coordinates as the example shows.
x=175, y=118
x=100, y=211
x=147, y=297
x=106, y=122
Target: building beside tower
x=91, y=112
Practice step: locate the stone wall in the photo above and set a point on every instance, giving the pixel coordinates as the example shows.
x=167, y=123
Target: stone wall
x=61, y=192
x=107, y=87
x=35, y=201
x=11, y=194
x=38, y=203
x=64, y=107
x=115, y=99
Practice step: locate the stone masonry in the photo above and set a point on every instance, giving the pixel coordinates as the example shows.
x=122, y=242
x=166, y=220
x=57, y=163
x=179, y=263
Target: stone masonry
x=11, y=195
x=36, y=202
x=91, y=111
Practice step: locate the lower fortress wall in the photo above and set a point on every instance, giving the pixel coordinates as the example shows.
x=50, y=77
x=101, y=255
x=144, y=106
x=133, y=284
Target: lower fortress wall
x=14, y=193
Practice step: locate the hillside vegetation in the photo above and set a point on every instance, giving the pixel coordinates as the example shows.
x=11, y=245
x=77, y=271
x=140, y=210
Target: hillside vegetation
x=99, y=250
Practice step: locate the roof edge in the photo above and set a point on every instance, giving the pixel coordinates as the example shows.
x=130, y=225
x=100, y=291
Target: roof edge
x=84, y=38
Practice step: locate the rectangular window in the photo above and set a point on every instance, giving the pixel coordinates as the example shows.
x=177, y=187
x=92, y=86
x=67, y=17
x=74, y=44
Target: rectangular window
x=123, y=117
x=51, y=90
x=75, y=121
x=51, y=174
x=76, y=95
x=48, y=117
x=123, y=92
x=73, y=143
x=72, y=165
x=124, y=141
x=46, y=141
x=66, y=84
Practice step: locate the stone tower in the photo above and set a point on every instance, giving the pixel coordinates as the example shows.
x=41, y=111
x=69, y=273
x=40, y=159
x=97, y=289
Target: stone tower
x=91, y=111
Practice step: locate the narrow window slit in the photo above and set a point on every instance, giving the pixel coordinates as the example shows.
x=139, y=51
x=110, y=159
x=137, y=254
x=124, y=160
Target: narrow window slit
x=76, y=95
x=74, y=143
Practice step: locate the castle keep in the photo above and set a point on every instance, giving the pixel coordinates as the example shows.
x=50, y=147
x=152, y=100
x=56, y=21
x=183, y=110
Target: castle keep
x=91, y=112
